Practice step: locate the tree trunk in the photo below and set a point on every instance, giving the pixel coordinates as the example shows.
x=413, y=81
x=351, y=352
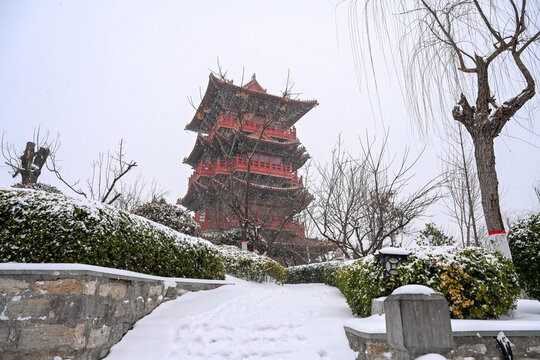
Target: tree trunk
x=484, y=153
x=32, y=162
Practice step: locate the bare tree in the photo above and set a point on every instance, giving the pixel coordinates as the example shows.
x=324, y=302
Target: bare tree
x=461, y=184
x=483, y=51
x=31, y=162
x=104, y=183
x=360, y=203
x=133, y=195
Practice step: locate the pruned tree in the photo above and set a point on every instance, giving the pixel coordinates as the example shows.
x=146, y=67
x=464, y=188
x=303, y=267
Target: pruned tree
x=361, y=203
x=478, y=53
x=30, y=163
x=461, y=184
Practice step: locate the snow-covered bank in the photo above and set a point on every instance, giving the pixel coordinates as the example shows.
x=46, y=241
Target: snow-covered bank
x=246, y=321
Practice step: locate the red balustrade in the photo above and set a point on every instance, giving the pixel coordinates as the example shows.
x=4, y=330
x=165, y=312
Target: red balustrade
x=252, y=125
x=224, y=222
x=240, y=163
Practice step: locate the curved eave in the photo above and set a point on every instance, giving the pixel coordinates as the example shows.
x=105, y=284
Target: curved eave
x=217, y=99
x=193, y=157
x=193, y=194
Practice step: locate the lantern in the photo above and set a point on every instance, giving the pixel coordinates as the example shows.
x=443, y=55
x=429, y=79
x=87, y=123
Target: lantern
x=390, y=258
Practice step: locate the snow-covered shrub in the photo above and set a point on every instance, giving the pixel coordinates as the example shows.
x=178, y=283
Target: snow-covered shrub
x=37, y=186
x=524, y=240
x=41, y=227
x=478, y=284
x=250, y=266
x=360, y=282
x=323, y=272
x=173, y=216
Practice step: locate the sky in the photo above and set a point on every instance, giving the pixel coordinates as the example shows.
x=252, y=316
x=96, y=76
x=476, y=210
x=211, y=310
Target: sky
x=95, y=72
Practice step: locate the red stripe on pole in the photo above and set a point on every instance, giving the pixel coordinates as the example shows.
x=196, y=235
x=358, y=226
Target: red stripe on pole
x=495, y=232
x=244, y=240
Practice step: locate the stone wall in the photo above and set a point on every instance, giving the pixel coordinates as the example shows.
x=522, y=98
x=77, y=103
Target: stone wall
x=480, y=346
x=77, y=313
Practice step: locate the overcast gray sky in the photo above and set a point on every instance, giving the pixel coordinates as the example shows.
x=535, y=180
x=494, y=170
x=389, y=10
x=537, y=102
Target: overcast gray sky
x=96, y=72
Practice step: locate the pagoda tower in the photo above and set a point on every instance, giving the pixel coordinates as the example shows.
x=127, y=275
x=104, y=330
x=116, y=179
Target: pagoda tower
x=245, y=161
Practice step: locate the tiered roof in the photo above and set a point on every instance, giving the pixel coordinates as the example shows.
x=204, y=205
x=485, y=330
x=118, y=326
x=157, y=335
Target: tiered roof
x=206, y=145
x=222, y=96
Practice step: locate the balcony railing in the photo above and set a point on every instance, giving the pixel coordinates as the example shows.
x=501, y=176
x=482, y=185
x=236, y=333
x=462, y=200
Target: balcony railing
x=252, y=125
x=240, y=163
x=211, y=222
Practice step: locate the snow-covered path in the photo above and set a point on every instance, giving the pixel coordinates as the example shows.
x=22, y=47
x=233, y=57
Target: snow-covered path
x=244, y=321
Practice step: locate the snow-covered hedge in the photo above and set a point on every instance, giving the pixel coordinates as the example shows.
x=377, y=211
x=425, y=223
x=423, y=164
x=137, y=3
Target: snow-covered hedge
x=524, y=240
x=173, y=216
x=478, y=284
x=38, y=186
x=250, y=266
x=37, y=227
x=324, y=272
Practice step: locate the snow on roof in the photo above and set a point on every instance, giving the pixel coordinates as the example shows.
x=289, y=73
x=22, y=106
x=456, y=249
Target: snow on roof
x=393, y=251
x=413, y=289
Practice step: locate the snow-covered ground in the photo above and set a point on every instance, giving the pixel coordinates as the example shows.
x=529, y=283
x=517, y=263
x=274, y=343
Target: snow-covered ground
x=244, y=321
x=268, y=321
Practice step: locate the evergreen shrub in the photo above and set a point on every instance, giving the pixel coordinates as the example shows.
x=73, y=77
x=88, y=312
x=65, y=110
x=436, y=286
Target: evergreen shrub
x=251, y=266
x=39, y=227
x=478, y=284
x=524, y=241
x=38, y=186
x=323, y=272
x=173, y=216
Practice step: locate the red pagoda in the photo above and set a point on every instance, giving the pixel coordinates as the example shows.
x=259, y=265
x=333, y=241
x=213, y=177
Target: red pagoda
x=246, y=160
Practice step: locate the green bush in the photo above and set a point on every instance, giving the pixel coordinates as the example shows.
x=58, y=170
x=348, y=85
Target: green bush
x=173, y=216
x=524, y=240
x=37, y=186
x=37, y=227
x=360, y=282
x=324, y=272
x=250, y=266
x=478, y=284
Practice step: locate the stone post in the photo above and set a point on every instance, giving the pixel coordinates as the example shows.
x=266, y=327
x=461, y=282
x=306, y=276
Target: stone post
x=417, y=323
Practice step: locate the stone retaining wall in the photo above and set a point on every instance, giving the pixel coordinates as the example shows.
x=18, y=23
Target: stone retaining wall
x=77, y=314
x=480, y=346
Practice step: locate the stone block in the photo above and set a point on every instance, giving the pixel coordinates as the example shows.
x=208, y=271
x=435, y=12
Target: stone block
x=155, y=290
x=7, y=334
x=90, y=288
x=114, y=288
x=68, y=310
x=21, y=309
x=11, y=286
x=533, y=350
x=46, y=337
x=377, y=306
x=98, y=337
x=62, y=286
x=418, y=324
